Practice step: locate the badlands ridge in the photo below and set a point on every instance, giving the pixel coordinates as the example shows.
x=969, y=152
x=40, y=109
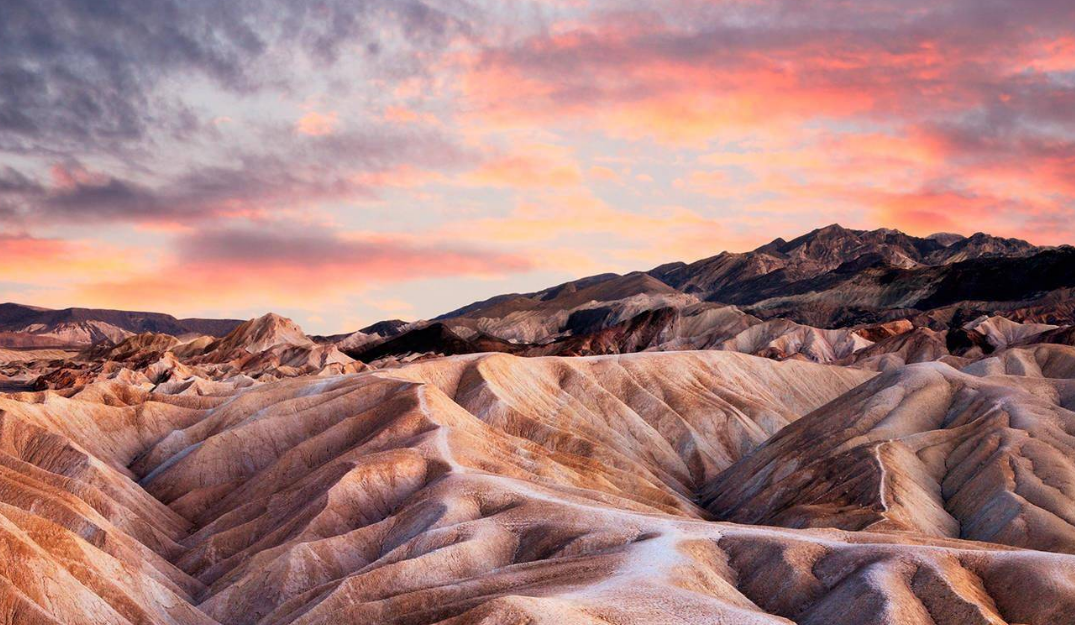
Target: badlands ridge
x=631, y=449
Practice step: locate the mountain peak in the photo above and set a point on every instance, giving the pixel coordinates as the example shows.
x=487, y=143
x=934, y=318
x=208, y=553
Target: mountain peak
x=831, y=228
x=263, y=333
x=887, y=231
x=946, y=238
x=773, y=246
x=823, y=244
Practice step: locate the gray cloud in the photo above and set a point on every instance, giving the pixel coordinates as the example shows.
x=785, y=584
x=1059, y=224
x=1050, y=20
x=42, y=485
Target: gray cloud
x=944, y=68
x=98, y=85
x=13, y=182
x=83, y=75
x=295, y=173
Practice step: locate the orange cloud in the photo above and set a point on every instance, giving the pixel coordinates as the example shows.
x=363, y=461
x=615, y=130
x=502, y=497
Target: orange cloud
x=404, y=115
x=604, y=174
x=631, y=92
x=403, y=176
x=24, y=258
x=714, y=183
x=316, y=124
x=29, y=249
x=925, y=211
x=556, y=226
x=637, y=77
x=67, y=177
x=528, y=166
x=297, y=267
x=1057, y=56
x=851, y=123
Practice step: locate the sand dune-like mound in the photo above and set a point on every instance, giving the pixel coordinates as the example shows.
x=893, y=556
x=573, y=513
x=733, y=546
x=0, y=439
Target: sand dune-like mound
x=491, y=487
x=474, y=489
x=782, y=339
x=1036, y=361
x=981, y=454
x=648, y=415
x=81, y=541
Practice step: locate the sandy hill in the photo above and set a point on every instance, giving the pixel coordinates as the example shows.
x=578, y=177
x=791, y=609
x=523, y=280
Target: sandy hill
x=474, y=489
x=986, y=454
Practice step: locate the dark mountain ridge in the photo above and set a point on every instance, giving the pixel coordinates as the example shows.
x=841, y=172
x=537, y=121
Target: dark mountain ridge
x=16, y=317
x=734, y=277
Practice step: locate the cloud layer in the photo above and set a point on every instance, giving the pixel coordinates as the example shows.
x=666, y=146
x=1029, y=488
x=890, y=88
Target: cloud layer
x=312, y=154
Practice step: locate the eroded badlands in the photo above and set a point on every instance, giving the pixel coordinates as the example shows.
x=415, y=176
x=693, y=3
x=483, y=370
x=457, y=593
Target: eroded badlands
x=498, y=489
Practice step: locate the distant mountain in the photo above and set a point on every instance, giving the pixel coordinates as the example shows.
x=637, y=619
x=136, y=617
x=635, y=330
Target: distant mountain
x=385, y=329
x=23, y=340
x=752, y=276
x=814, y=261
x=829, y=279
x=81, y=326
x=375, y=333
x=543, y=315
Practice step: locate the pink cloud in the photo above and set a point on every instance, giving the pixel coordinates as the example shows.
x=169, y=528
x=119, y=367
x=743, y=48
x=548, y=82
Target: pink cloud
x=294, y=266
x=26, y=258
x=316, y=124
x=403, y=115
x=603, y=174
x=528, y=166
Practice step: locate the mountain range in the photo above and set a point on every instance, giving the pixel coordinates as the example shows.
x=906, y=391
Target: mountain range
x=31, y=326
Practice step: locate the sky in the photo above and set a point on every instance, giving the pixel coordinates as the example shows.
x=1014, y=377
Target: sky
x=346, y=161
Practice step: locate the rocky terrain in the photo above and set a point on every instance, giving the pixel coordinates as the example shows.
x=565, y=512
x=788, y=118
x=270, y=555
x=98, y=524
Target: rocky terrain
x=719, y=442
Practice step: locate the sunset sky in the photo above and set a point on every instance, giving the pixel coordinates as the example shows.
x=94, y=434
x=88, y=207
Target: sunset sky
x=342, y=162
